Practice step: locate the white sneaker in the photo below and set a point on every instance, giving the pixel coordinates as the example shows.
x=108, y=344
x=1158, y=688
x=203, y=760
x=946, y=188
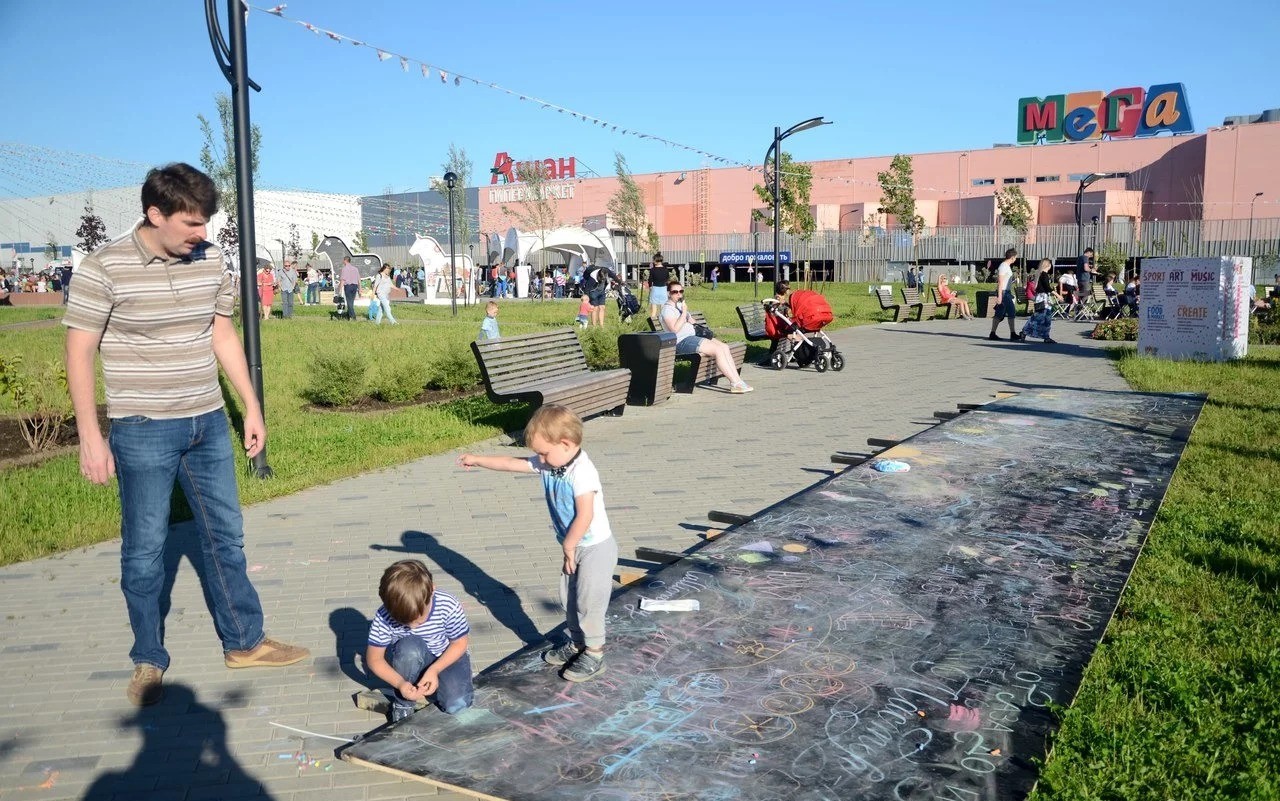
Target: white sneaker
x=741, y=388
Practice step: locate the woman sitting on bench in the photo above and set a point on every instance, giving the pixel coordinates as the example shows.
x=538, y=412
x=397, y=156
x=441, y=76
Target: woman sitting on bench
x=675, y=318
x=947, y=295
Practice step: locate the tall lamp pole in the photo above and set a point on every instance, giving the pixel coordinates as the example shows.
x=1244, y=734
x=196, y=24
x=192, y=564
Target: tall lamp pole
x=1084, y=182
x=1256, y=195
x=775, y=151
x=450, y=181
x=471, y=247
x=233, y=60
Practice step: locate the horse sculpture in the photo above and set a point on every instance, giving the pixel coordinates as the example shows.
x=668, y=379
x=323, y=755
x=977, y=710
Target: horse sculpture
x=334, y=249
x=435, y=263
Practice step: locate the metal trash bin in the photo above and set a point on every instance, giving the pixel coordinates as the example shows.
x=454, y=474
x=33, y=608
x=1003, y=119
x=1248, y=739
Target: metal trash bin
x=651, y=358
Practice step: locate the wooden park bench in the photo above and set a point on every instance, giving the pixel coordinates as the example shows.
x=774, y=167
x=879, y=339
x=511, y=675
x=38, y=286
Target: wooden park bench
x=704, y=371
x=752, y=317
x=549, y=367
x=937, y=301
x=885, y=296
x=912, y=300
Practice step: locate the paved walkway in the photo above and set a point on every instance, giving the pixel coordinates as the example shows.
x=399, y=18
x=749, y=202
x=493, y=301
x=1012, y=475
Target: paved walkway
x=67, y=731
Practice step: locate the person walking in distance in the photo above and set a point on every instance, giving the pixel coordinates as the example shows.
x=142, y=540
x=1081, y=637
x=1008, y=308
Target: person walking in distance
x=167, y=418
x=287, y=280
x=1006, y=307
x=350, y=280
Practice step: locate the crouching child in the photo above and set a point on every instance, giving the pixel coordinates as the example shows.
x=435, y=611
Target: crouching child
x=418, y=642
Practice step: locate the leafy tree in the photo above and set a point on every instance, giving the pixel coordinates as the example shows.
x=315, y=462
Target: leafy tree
x=795, y=181
x=1112, y=258
x=537, y=211
x=651, y=239
x=218, y=158
x=92, y=231
x=898, y=197
x=1015, y=210
x=626, y=207
x=315, y=243
x=457, y=163
x=360, y=242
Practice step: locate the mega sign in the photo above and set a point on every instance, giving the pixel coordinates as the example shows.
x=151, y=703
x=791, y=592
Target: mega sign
x=1120, y=114
x=509, y=170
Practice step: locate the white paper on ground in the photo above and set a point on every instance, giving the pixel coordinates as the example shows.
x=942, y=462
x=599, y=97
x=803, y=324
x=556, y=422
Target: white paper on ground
x=683, y=605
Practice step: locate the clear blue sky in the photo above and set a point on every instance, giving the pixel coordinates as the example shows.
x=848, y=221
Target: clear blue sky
x=83, y=76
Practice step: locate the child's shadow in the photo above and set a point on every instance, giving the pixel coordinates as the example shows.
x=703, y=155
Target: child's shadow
x=501, y=601
x=351, y=635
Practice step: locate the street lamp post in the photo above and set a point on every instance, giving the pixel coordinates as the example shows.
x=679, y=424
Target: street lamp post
x=751, y=273
x=840, y=234
x=776, y=152
x=1084, y=182
x=1256, y=195
x=450, y=181
x=471, y=248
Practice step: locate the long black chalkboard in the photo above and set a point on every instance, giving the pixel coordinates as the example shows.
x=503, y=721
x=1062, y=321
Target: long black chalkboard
x=880, y=636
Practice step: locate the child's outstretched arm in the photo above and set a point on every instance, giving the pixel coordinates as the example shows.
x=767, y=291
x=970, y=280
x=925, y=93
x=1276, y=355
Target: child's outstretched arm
x=508, y=464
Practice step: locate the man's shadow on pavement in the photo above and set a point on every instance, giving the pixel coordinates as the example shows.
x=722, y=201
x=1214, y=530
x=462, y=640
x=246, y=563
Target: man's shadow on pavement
x=166, y=762
x=501, y=601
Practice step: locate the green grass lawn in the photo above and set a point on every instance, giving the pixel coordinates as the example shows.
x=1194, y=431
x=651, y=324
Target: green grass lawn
x=25, y=314
x=55, y=509
x=1180, y=701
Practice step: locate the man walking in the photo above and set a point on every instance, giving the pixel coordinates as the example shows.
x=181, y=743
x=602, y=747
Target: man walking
x=1006, y=307
x=1085, y=272
x=64, y=276
x=350, y=279
x=157, y=305
x=287, y=279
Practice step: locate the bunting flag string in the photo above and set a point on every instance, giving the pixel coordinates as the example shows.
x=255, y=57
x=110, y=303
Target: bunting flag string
x=426, y=69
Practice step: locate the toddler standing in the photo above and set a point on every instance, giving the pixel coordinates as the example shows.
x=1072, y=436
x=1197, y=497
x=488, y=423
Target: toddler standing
x=575, y=500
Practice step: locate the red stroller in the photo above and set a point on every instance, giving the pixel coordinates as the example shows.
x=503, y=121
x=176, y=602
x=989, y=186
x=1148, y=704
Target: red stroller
x=798, y=339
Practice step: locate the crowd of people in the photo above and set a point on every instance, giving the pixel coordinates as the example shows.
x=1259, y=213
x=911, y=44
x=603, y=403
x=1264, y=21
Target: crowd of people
x=53, y=278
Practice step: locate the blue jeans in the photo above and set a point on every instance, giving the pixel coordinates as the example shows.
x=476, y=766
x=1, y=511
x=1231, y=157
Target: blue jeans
x=196, y=451
x=313, y=294
x=410, y=657
x=382, y=307
x=349, y=293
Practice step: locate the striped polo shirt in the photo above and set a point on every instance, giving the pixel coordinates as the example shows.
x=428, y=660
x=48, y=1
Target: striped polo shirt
x=155, y=315
x=445, y=623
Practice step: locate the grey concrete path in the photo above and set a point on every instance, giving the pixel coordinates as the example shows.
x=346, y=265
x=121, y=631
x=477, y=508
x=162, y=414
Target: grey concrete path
x=67, y=731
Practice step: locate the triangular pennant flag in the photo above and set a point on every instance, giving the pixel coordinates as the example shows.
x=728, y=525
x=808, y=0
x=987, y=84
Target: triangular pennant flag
x=444, y=76
x=457, y=81
x=335, y=37
x=278, y=10
x=426, y=71
x=357, y=43
x=383, y=56
x=404, y=63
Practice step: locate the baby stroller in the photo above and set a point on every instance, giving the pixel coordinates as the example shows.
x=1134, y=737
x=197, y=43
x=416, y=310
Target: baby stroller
x=339, y=311
x=628, y=304
x=799, y=340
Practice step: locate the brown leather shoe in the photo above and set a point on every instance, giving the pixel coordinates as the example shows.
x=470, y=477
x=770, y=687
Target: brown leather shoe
x=146, y=687
x=269, y=653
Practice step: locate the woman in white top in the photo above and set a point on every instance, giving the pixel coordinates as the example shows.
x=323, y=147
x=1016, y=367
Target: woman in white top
x=675, y=318
x=382, y=295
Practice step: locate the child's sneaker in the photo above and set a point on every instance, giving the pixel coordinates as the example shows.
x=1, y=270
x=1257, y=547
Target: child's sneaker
x=400, y=712
x=380, y=701
x=561, y=656
x=586, y=666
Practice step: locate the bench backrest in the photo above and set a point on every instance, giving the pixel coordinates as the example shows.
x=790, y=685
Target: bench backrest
x=752, y=317
x=885, y=297
x=911, y=296
x=937, y=300
x=510, y=363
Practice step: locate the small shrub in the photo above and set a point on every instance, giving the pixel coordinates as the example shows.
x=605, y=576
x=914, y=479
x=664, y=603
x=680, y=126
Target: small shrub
x=1264, y=328
x=337, y=379
x=456, y=369
x=1124, y=329
x=41, y=397
x=600, y=345
x=398, y=381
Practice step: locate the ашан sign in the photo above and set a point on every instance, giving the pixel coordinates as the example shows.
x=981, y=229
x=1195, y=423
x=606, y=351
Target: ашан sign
x=1120, y=114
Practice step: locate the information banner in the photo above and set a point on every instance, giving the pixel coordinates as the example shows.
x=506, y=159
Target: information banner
x=1195, y=308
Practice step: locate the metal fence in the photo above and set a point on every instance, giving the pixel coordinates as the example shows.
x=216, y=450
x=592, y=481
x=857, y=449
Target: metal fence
x=863, y=255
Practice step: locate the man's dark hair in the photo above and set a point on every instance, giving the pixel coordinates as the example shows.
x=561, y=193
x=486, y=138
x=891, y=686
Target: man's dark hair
x=179, y=187
x=1010, y=253
x=1088, y=250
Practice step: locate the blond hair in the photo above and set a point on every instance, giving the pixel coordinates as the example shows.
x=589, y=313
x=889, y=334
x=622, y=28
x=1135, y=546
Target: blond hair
x=554, y=423
x=493, y=304
x=406, y=589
